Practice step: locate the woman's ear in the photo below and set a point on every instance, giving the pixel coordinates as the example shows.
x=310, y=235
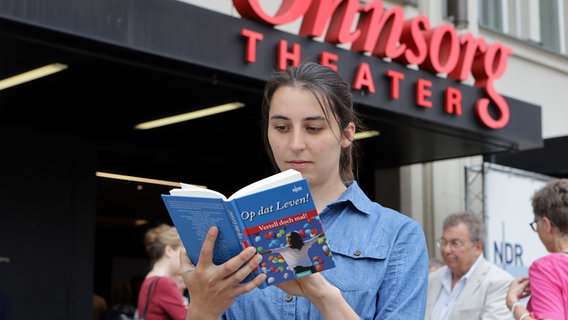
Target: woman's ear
x=170, y=251
x=348, y=135
x=547, y=224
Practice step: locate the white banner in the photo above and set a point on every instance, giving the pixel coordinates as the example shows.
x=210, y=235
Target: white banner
x=511, y=243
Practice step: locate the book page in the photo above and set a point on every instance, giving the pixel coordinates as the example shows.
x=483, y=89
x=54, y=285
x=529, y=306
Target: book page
x=189, y=190
x=278, y=179
x=193, y=217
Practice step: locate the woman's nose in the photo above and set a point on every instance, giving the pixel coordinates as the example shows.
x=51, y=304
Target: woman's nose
x=298, y=141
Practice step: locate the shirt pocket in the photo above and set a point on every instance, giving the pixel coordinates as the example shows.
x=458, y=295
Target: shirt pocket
x=357, y=266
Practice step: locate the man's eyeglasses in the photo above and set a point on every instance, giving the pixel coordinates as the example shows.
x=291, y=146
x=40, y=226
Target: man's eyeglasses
x=533, y=225
x=454, y=244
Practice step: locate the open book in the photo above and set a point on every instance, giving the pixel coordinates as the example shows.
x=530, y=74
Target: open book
x=276, y=215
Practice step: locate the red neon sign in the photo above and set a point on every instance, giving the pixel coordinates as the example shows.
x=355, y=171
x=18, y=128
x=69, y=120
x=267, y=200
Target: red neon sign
x=386, y=34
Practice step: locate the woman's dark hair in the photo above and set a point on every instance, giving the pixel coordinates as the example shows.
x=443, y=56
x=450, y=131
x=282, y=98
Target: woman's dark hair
x=552, y=202
x=330, y=90
x=294, y=240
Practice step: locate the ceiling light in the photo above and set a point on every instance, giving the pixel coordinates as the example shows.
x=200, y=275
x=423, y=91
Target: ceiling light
x=140, y=222
x=32, y=75
x=366, y=134
x=189, y=116
x=136, y=179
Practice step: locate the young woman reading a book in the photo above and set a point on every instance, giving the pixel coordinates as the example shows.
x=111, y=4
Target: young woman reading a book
x=380, y=255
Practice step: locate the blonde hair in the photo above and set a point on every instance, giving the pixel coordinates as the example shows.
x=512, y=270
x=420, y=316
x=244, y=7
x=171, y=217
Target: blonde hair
x=156, y=240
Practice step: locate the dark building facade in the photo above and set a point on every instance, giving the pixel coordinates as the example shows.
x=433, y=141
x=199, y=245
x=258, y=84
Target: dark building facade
x=135, y=61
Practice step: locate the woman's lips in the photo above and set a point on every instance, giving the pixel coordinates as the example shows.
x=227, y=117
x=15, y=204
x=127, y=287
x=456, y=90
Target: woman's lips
x=298, y=164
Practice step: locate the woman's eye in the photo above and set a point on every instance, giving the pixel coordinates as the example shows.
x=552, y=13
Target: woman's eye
x=281, y=127
x=313, y=129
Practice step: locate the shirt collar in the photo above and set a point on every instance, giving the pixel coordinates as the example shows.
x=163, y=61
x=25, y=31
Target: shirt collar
x=473, y=267
x=357, y=197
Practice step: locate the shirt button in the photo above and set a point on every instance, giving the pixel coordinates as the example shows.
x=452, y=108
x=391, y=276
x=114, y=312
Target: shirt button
x=288, y=298
x=357, y=253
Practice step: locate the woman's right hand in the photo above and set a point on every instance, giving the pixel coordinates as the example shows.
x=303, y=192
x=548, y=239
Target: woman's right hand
x=214, y=288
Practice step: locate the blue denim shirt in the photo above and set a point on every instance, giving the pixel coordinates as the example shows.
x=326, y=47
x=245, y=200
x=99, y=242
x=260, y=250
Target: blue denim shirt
x=381, y=268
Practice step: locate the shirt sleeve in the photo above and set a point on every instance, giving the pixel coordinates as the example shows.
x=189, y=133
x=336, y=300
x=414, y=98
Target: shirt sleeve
x=403, y=292
x=546, y=290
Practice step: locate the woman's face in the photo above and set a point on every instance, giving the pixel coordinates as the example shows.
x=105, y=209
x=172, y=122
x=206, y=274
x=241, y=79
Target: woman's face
x=301, y=137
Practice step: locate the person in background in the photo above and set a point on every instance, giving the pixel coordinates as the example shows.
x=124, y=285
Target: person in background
x=182, y=288
x=469, y=287
x=135, y=284
x=547, y=282
x=159, y=297
x=122, y=303
x=380, y=255
x=100, y=306
x=435, y=264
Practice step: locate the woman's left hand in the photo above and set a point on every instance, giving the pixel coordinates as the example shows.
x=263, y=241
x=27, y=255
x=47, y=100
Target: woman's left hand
x=307, y=287
x=322, y=294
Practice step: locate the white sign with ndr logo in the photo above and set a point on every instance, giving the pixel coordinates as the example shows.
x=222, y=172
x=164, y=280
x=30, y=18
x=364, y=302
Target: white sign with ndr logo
x=511, y=242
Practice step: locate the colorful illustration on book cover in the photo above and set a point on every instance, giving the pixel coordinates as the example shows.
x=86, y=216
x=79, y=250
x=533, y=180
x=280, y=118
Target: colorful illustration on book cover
x=293, y=250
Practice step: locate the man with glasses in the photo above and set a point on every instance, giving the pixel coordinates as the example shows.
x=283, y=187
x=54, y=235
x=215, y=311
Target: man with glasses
x=469, y=287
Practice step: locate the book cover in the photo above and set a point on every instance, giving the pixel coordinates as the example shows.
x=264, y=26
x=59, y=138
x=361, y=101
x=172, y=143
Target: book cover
x=276, y=215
